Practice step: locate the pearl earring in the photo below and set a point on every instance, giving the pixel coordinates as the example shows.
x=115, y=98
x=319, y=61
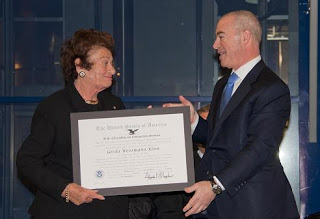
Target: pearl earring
x=82, y=74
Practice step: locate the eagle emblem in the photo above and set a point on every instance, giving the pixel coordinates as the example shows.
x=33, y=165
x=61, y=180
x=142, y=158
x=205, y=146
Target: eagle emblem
x=132, y=132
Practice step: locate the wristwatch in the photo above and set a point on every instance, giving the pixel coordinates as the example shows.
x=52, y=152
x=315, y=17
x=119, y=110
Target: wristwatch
x=215, y=187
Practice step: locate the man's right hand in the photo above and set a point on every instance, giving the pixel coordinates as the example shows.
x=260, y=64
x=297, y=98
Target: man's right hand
x=184, y=102
x=201, y=199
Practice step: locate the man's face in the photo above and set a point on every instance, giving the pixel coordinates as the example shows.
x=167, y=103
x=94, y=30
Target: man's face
x=228, y=43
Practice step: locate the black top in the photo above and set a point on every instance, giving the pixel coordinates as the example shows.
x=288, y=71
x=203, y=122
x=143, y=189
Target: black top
x=45, y=158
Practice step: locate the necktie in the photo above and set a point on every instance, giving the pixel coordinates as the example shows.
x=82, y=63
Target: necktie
x=226, y=95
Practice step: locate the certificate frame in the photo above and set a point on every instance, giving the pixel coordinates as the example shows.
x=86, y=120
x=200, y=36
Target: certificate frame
x=129, y=114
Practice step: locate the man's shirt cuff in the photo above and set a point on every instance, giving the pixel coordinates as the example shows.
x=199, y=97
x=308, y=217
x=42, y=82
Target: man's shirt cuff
x=218, y=183
x=195, y=123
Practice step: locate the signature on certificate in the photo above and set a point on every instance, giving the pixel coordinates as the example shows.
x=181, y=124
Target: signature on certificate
x=158, y=175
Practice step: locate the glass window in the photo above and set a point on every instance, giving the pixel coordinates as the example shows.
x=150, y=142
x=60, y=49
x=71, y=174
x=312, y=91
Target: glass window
x=269, y=7
x=78, y=14
x=37, y=57
x=107, y=14
x=164, y=48
x=2, y=154
x=277, y=46
x=1, y=9
x=36, y=8
x=2, y=64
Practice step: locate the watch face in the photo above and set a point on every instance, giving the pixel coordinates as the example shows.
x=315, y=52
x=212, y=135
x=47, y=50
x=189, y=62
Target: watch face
x=216, y=189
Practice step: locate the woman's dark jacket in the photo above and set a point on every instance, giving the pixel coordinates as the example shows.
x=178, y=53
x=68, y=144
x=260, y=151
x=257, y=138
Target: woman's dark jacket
x=45, y=158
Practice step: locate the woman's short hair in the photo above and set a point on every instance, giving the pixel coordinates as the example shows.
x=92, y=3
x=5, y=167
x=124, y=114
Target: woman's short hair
x=78, y=46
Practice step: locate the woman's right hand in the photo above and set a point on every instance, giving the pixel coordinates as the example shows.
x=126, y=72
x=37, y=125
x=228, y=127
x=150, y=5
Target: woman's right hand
x=79, y=195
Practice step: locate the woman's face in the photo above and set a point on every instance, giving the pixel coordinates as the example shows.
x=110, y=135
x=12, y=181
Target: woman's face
x=102, y=69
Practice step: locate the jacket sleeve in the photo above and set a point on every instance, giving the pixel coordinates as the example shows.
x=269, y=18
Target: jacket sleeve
x=33, y=153
x=201, y=132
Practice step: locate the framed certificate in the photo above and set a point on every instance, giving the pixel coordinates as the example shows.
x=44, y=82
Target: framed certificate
x=133, y=151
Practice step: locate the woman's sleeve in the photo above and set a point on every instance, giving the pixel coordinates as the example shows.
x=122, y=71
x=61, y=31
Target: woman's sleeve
x=32, y=154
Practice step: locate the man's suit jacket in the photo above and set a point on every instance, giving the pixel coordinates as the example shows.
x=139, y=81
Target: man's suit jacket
x=242, y=148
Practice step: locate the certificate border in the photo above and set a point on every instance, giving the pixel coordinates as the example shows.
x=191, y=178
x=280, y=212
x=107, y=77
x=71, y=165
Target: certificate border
x=75, y=117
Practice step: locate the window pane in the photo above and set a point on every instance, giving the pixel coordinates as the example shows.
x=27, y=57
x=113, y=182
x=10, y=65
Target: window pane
x=164, y=48
x=107, y=16
x=37, y=57
x=2, y=65
x=208, y=75
x=272, y=7
x=36, y=8
x=1, y=9
x=2, y=153
x=78, y=17
x=277, y=47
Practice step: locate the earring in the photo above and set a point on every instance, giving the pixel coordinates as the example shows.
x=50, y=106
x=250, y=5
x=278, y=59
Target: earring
x=82, y=74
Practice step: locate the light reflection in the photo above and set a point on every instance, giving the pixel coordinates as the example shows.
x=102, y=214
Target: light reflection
x=17, y=66
x=280, y=55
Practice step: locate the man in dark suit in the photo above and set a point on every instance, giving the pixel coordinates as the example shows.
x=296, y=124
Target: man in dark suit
x=240, y=174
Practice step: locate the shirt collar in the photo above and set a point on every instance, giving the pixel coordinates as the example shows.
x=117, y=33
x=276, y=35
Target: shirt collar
x=246, y=68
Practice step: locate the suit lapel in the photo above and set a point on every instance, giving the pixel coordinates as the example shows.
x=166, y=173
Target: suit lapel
x=216, y=98
x=237, y=97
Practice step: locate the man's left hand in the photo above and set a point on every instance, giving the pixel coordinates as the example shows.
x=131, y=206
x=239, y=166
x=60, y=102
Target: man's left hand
x=201, y=199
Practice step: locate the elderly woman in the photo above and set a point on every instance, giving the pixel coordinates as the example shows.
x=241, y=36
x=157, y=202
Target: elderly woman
x=45, y=158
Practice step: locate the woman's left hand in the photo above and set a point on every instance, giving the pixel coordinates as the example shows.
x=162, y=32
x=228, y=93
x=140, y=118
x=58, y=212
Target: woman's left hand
x=79, y=195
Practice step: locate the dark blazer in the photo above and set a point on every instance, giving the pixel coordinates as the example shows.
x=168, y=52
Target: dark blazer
x=242, y=148
x=45, y=159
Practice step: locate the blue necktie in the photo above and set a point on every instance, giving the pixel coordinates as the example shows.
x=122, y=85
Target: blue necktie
x=226, y=95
